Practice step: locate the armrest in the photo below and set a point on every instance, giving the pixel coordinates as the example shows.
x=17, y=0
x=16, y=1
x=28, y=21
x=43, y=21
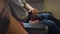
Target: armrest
x=35, y=28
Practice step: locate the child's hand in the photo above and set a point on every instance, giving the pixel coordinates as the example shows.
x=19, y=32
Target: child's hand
x=34, y=22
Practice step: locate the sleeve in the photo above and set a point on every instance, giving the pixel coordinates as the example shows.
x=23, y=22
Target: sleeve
x=23, y=1
x=18, y=2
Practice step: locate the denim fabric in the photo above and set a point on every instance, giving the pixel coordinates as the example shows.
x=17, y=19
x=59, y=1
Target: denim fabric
x=53, y=28
x=44, y=16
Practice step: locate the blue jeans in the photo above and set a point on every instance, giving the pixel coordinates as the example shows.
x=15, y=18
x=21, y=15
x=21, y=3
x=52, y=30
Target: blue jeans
x=51, y=26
